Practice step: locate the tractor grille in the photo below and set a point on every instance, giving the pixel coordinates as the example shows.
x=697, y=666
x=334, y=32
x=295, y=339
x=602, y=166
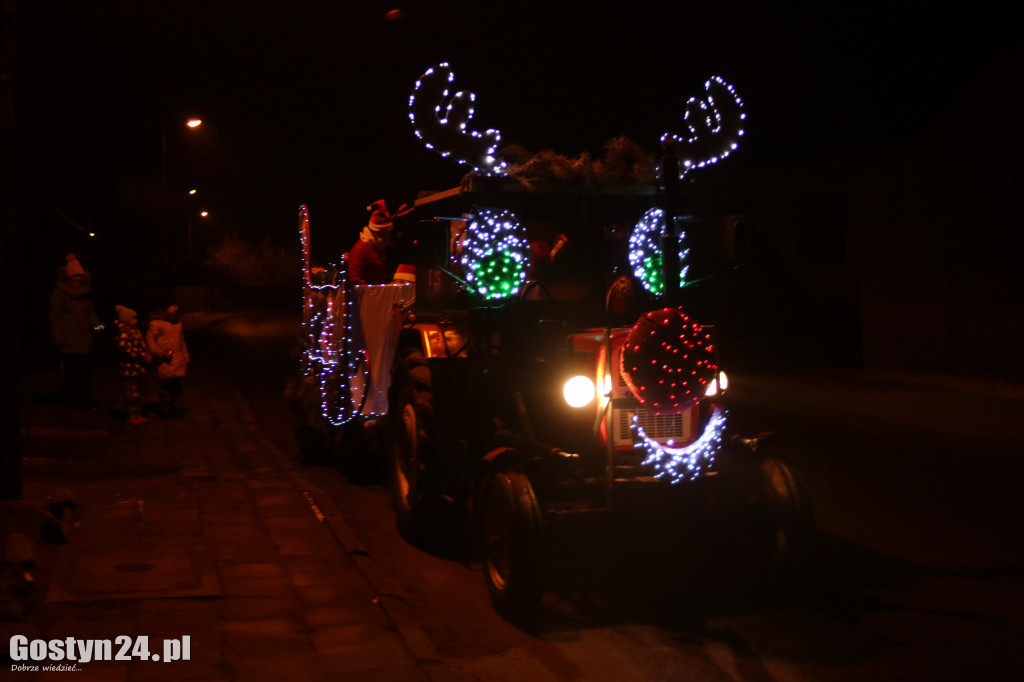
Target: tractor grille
x=661, y=427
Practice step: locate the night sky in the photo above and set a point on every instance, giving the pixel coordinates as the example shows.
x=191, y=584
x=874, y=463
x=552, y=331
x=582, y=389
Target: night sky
x=305, y=102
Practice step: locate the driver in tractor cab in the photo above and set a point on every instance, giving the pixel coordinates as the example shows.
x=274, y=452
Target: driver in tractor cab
x=367, y=262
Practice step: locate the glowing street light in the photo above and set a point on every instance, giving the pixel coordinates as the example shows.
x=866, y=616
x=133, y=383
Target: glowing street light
x=191, y=124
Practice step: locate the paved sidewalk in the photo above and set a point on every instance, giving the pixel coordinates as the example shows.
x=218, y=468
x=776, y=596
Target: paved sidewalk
x=197, y=527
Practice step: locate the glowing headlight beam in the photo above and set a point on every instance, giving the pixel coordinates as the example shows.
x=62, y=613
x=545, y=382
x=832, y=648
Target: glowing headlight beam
x=579, y=391
x=720, y=384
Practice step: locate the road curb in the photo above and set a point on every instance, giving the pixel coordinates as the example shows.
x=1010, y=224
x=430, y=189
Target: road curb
x=388, y=594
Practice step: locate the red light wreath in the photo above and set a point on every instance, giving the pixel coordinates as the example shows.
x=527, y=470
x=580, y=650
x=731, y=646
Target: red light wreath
x=668, y=361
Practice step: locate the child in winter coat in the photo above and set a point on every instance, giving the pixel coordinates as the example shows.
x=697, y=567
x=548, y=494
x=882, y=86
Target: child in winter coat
x=132, y=356
x=165, y=338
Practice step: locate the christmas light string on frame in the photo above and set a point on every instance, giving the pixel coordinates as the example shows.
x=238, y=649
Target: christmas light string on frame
x=685, y=463
x=332, y=356
x=495, y=254
x=645, y=252
x=448, y=133
x=714, y=125
x=668, y=361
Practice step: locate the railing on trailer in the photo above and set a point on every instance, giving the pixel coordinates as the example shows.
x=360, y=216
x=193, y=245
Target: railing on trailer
x=350, y=334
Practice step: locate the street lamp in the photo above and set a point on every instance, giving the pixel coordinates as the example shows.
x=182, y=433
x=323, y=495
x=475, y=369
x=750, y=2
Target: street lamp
x=165, y=208
x=191, y=124
x=188, y=222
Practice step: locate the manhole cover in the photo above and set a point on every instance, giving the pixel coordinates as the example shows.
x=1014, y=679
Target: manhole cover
x=140, y=571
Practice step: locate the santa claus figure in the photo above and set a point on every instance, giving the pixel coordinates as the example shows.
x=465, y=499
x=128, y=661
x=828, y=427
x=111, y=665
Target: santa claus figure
x=367, y=263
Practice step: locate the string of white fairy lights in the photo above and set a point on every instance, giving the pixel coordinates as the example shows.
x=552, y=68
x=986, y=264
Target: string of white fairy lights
x=714, y=125
x=645, y=252
x=495, y=254
x=448, y=132
x=331, y=355
x=685, y=463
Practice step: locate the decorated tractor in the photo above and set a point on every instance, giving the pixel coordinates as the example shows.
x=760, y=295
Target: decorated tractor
x=540, y=374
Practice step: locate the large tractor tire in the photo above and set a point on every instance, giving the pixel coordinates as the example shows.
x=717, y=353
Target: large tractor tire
x=791, y=516
x=411, y=444
x=510, y=537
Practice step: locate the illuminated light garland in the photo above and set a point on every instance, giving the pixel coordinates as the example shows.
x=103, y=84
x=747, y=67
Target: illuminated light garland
x=495, y=254
x=685, y=463
x=447, y=133
x=331, y=356
x=714, y=126
x=667, y=361
x=645, y=252
x=304, y=240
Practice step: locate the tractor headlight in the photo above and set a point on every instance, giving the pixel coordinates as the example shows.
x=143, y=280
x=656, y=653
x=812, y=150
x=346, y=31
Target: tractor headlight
x=717, y=385
x=579, y=391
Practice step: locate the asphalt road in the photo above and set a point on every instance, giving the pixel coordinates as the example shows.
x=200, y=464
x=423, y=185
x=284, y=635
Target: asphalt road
x=917, y=572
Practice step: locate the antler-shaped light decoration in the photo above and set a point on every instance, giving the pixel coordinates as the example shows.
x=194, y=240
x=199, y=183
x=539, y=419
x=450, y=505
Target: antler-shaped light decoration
x=448, y=133
x=714, y=126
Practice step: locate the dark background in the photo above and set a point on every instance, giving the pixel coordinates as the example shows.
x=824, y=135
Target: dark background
x=306, y=102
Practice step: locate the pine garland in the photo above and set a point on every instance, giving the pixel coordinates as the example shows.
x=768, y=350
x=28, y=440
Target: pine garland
x=623, y=164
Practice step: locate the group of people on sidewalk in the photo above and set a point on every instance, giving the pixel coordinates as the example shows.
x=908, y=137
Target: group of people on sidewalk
x=163, y=345
x=74, y=323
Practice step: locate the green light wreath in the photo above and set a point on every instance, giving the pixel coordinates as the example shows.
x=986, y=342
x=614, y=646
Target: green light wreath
x=496, y=254
x=645, y=255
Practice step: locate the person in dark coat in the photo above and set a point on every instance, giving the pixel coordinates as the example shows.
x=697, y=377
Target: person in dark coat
x=165, y=338
x=73, y=322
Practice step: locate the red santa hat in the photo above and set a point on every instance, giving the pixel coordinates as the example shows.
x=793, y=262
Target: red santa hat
x=405, y=273
x=382, y=220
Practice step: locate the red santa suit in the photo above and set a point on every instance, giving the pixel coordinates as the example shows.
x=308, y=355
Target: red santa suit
x=366, y=265
x=366, y=262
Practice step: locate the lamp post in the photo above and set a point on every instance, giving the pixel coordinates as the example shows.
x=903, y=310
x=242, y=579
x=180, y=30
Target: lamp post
x=192, y=194
x=191, y=124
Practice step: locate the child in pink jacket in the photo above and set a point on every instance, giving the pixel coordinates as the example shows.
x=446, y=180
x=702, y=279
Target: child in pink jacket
x=165, y=338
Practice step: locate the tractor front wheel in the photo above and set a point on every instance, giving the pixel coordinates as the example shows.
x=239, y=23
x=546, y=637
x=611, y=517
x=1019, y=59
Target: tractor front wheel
x=411, y=412
x=792, y=518
x=510, y=539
